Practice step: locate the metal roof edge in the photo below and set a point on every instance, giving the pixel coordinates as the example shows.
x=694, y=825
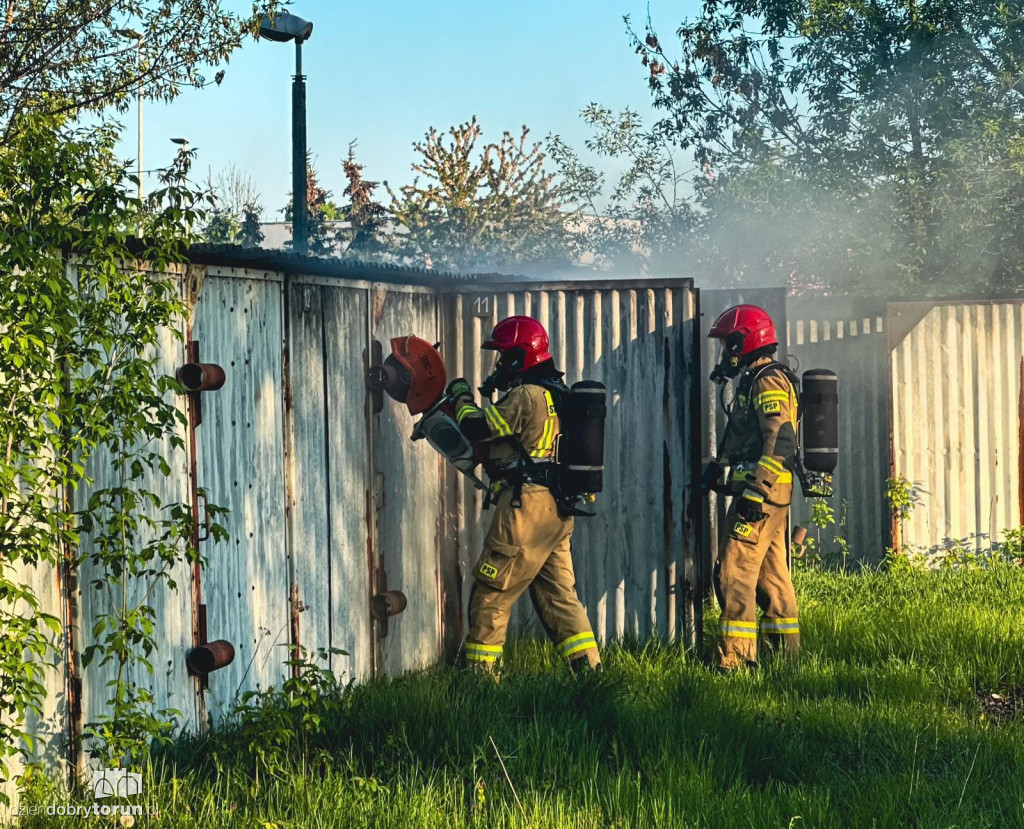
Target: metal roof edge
x=290, y=263
x=294, y=263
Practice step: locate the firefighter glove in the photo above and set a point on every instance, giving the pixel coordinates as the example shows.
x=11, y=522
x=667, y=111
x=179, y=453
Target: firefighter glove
x=711, y=479
x=749, y=509
x=459, y=387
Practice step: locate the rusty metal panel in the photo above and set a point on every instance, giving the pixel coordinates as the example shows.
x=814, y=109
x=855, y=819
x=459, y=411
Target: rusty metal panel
x=850, y=339
x=955, y=392
x=238, y=323
x=407, y=502
x=345, y=315
x=329, y=471
x=634, y=561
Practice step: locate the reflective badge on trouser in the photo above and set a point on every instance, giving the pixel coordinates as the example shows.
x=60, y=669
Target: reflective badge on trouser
x=791, y=625
x=741, y=630
x=484, y=654
x=495, y=566
x=746, y=531
x=576, y=644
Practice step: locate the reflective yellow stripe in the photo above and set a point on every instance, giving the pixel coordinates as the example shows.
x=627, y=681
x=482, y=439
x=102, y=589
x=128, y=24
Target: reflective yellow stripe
x=565, y=644
x=750, y=495
x=737, y=629
x=549, y=434
x=477, y=652
x=499, y=423
x=465, y=411
x=476, y=646
x=780, y=626
x=547, y=438
x=582, y=646
x=782, y=475
x=472, y=656
x=768, y=396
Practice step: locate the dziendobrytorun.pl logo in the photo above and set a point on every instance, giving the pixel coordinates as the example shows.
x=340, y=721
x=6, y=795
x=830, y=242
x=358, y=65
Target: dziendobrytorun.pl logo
x=106, y=784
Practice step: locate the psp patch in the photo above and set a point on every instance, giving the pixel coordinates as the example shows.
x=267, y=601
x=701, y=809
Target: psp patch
x=742, y=529
x=488, y=571
x=771, y=407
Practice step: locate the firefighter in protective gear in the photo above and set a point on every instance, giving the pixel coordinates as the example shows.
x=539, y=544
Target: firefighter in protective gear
x=527, y=545
x=760, y=448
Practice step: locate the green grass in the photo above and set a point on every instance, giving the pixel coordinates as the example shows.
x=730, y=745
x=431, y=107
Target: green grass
x=876, y=725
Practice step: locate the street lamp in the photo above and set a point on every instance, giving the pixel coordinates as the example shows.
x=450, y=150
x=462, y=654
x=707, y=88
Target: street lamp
x=281, y=28
x=138, y=37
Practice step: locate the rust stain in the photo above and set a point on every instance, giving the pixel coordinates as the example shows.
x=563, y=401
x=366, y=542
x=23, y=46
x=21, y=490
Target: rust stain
x=669, y=562
x=296, y=645
x=66, y=587
x=196, y=580
x=371, y=570
x=378, y=299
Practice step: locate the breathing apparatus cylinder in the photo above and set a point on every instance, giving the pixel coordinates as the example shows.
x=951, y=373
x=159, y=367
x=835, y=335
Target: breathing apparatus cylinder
x=581, y=448
x=820, y=419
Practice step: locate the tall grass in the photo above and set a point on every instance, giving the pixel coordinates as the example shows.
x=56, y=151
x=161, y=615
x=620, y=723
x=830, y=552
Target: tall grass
x=877, y=724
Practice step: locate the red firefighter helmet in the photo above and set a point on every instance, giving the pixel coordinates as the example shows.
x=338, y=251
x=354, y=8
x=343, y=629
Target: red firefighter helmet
x=744, y=329
x=520, y=332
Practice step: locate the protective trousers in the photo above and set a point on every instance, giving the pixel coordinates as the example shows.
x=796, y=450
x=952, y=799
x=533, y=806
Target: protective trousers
x=751, y=572
x=527, y=547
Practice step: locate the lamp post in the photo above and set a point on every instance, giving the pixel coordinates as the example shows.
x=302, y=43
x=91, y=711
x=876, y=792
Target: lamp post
x=138, y=37
x=281, y=28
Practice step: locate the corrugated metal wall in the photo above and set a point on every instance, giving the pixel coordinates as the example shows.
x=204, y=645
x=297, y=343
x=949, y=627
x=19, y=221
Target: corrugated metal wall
x=239, y=325
x=329, y=479
x=330, y=502
x=408, y=487
x=956, y=422
x=170, y=684
x=51, y=729
x=634, y=561
x=849, y=338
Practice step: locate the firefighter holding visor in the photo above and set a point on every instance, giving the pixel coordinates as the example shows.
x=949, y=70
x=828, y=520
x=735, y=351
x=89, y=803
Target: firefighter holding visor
x=527, y=545
x=759, y=448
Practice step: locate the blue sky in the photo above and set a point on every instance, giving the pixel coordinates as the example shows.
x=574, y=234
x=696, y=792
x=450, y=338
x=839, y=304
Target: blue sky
x=383, y=72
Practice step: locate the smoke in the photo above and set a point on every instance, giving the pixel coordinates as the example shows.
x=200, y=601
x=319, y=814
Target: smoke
x=875, y=150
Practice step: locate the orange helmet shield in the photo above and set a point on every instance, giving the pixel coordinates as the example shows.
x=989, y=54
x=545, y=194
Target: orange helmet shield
x=427, y=374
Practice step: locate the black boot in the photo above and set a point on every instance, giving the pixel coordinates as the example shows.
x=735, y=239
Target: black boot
x=582, y=668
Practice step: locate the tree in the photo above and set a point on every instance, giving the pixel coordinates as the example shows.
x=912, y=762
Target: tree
x=366, y=218
x=487, y=208
x=852, y=144
x=319, y=211
x=66, y=56
x=235, y=198
x=250, y=235
x=644, y=223
x=83, y=391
